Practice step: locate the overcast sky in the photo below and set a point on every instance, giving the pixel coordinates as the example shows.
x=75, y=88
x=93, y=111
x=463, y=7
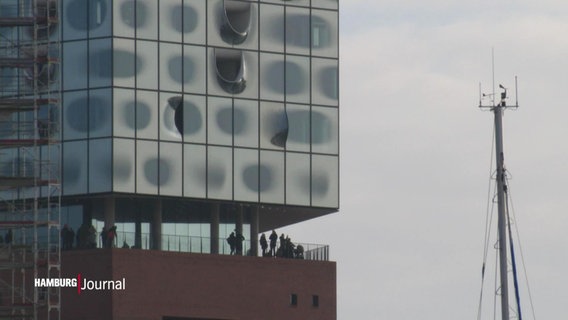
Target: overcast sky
x=416, y=152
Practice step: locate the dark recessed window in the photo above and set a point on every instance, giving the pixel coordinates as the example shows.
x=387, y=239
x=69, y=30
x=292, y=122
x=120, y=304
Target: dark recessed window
x=237, y=21
x=231, y=70
x=315, y=301
x=293, y=299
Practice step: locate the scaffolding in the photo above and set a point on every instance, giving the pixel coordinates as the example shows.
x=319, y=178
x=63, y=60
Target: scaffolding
x=30, y=193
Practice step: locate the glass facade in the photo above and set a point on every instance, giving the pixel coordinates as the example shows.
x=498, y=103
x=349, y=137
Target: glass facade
x=205, y=99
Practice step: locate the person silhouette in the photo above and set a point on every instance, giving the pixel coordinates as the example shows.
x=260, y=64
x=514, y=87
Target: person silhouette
x=263, y=244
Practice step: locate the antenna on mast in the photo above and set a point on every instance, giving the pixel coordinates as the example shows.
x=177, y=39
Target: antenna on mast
x=504, y=96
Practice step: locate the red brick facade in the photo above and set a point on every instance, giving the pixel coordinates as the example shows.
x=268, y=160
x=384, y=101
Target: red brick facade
x=194, y=286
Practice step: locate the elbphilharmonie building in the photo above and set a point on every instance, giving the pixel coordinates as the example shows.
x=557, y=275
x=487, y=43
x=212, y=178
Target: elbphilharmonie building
x=177, y=122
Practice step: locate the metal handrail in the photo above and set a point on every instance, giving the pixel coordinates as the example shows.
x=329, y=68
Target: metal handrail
x=190, y=244
x=197, y=244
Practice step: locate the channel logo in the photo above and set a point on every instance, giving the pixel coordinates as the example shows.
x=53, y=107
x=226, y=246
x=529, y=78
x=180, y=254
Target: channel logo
x=82, y=284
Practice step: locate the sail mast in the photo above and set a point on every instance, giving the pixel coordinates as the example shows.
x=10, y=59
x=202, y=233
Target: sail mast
x=502, y=217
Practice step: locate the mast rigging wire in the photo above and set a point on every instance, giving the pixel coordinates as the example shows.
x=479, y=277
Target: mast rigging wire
x=488, y=223
x=490, y=208
x=510, y=196
x=513, y=262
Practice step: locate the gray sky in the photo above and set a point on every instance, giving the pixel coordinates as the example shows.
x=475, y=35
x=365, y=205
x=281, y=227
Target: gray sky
x=415, y=155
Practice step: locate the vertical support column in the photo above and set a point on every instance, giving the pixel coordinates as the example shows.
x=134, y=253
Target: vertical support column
x=214, y=228
x=239, y=219
x=87, y=213
x=241, y=247
x=254, y=231
x=138, y=228
x=109, y=211
x=156, y=226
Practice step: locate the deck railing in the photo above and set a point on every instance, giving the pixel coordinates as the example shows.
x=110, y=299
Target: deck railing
x=195, y=244
x=179, y=243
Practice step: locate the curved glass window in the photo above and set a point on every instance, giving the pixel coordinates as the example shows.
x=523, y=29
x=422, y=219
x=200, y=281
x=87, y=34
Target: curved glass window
x=171, y=129
x=176, y=103
x=231, y=70
x=237, y=16
x=273, y=125
x=280, y=124
x=191, y=122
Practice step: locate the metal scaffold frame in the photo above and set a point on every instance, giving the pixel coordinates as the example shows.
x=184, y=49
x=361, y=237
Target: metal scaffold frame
x=30, y=153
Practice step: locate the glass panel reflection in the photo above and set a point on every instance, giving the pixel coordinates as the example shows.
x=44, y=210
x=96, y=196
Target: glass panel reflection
x=193, y=21
x=328, y=4
x=246, y=177
x=171, y=67
x=147, y=65
x=297, y=79
x=325, y=80
x=74, y=65
x=245, y=120
x=100, y=114
x=124, y=17
x=124, y=113
x=99, y=18
x=75, y=115
x=272, y=77
x=195, y=172
x=125, y=62
x=75, y=24
x=271, y=177
x=297, y=22
x=194, y=65
x=273, y=125
x=220, y=122
x=123, y=165
x=325, y=181
x=192, y=115
x=272, y=28
x=147, y=164
x=220, y=173
x=324, y=33
x=100, y=165
x=298, y=178
x=100, y=62
x=325, y=127
x=299, y=127
x=170, y=169
x=88, y=114
x=146, y=21
x=75, y=167
x=147, y=114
